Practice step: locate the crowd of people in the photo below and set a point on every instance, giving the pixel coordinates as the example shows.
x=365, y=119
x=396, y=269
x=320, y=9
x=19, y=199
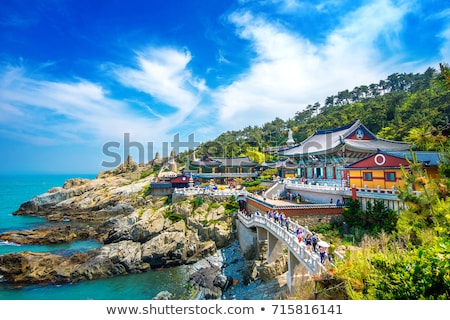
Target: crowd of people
x=296, y=197
x=304, y=236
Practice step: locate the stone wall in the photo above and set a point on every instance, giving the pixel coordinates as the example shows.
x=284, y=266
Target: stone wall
x=176, y=197
x=315, y=220
x=247, y=240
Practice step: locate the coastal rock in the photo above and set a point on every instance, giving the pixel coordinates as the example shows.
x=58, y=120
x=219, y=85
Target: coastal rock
x=49, y=235
x=270, y=271
x=110, y=260
x=211, y=224
x=139, y=231
x=136, y=227
x=88, y=200
x=163, y=295
x=31, y=267
x=166, y=249
x=150, y=225
x=113, y=259
x=203, y=280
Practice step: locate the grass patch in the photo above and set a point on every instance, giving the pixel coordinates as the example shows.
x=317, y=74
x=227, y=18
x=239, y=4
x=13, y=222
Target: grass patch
x=213, y=205
x=174, y=217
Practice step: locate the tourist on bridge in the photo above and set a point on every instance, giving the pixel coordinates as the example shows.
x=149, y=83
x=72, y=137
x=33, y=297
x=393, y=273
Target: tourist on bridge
x=308, y=242
x=314, y=240
x=287, y=223
x=322, y=254
x=282, y=218
x=299, y=235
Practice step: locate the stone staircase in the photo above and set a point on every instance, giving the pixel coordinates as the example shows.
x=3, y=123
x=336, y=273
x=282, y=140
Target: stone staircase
x=275, y=191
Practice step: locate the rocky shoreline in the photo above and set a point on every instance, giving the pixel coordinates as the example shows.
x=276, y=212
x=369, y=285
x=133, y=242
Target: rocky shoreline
x=139, y=232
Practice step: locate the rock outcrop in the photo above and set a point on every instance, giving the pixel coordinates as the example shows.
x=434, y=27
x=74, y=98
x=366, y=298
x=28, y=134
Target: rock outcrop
x=50, y=235
x=138, y=231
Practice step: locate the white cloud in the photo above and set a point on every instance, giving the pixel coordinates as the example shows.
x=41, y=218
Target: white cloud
x=51, y=112
x=445, y=35
x=290, y=72
x=163, y=74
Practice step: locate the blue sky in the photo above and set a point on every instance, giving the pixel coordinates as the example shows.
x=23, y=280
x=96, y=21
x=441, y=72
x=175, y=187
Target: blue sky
x=76, y=75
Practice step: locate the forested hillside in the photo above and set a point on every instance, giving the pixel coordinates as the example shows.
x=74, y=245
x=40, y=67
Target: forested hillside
x=408, y=107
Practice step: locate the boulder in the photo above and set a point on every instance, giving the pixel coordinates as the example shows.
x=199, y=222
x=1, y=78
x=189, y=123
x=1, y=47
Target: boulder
x=165, y=249
x=42, y=267
x=270, y=271
x=119, y=258
x=49, y=235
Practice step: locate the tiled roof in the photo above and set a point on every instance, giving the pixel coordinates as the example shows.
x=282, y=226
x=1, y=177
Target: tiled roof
x=429, y=158
x=287, y=163
x=375, y=145
x=334, y=139
x=224, y=162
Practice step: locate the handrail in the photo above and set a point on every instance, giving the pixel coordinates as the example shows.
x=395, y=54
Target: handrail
x=200, y=191
x=324, y=186
x=309, y=260
x=288, y=205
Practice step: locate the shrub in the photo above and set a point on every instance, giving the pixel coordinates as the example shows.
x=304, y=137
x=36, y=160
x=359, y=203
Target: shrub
x=196, y=202
x=173, y=216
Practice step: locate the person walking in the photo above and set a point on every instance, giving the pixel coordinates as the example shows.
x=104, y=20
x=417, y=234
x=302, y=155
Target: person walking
x=282, y=219
x=308, y=242
x=314, y=241
x=299, y=235
x=322, y=254
x=331, y=250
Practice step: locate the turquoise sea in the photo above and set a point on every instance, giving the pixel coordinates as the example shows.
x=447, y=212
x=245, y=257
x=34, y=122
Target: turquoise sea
x=16, y=189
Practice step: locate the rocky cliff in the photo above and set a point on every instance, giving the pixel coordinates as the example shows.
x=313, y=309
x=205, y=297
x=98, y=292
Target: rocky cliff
x=139, y=232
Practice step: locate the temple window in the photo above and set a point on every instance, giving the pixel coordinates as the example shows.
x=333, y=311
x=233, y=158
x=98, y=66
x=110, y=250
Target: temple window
x=367, y=176
x=389, y=176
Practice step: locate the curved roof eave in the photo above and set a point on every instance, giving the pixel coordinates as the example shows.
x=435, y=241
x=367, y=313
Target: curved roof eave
x=320, y=152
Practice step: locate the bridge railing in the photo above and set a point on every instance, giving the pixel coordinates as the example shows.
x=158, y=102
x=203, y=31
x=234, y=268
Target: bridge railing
x=307, y=258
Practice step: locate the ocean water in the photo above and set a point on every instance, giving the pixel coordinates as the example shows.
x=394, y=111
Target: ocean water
x=17, y=189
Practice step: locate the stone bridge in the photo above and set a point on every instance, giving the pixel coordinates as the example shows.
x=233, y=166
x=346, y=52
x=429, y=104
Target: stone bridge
x=279, y=239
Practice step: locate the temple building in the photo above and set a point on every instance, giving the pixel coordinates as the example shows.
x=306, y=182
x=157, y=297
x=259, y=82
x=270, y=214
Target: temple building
x=326, y=153
x=383, y=169
x=286, y=168
x=223, y=169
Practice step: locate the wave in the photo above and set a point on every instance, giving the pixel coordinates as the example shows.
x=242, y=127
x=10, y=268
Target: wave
x=7, y=243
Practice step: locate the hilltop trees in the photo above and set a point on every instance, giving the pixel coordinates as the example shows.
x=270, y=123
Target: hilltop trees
x=400, y=107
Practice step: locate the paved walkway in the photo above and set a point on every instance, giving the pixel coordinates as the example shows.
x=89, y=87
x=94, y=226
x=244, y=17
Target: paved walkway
x=280, y=202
